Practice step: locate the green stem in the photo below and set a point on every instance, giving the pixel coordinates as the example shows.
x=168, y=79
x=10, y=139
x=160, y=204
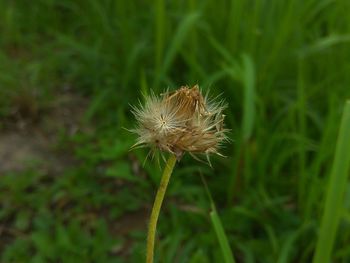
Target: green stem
x=156, y=207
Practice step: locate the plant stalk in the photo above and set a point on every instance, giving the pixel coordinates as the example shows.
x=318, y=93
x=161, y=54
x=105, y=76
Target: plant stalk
x=156, y=207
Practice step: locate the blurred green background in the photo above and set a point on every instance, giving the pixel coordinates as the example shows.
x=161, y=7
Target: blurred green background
x=70, y=189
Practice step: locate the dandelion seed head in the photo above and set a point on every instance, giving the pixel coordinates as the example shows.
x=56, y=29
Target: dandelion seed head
x=181, y=121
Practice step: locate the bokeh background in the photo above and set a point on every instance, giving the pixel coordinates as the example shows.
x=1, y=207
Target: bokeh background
x=70, y=189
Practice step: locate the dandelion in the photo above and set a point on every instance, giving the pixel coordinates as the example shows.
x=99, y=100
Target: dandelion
x=178, y=122
x=181, y=121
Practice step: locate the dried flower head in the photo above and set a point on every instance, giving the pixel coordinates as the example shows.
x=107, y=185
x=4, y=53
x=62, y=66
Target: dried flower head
x=181, y=121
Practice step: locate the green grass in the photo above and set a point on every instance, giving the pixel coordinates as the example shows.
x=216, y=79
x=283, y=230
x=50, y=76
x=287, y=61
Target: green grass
x=335, y=192
x=283, y=68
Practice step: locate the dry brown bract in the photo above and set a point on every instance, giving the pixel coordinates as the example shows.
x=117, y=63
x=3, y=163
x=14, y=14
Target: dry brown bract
x=181, y=121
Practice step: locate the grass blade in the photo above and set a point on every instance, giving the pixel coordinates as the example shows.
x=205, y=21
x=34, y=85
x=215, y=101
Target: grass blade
x=323, y=44
x=248, y=80
x=289, y=245
x=184, y=28
x=335, y=192
x=160, y=21
x=188, y=22
x=220, y=233
x=219, y=229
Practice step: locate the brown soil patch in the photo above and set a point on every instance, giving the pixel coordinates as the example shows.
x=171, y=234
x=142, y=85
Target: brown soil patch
x=34, y=140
